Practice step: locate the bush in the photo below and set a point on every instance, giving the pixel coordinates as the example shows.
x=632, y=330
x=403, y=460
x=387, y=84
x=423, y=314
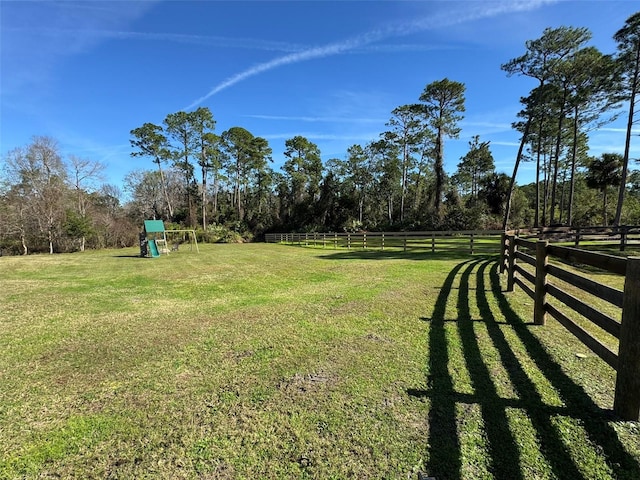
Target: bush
x=223, y=234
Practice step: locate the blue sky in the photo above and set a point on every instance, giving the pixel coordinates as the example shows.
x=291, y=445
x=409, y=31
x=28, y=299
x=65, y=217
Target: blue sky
x=88, y=72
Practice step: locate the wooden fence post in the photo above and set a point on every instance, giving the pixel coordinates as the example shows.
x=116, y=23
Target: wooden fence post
x=364, y=241
x=383, y=241
x=623, y=237
x=471, y=245
x=348, y=241
x=626, y=402
x=540, y=300
x=511, y=270
x=503, y=243
x=405, y=243
x=577, y=241
x=433, y=243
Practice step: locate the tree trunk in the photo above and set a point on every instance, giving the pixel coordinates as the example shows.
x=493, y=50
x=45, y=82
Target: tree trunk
x=164, y=189
x=627, y=142
x=545, y=190
x=236, y=194
x=536, y=220
x=204, y=199
x=523, y=142
x=536, y=217
x=562, y=195
x=556, y=158
x=405, y=168
x=439, y=167
x=215, y=194
x=23, y=240
x=574, y=154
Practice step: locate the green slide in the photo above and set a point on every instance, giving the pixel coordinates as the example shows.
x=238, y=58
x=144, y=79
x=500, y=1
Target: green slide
x=153, y=248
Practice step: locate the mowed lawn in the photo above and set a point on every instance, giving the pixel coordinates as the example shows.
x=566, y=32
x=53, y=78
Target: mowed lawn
x=262, y=361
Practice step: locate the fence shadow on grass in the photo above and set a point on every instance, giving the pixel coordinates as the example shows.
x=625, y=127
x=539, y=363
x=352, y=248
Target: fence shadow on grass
x=577, y=401
x=502, y=448
x=410, y=254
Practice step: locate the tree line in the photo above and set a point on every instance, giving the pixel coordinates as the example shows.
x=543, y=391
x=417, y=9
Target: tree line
x=224, y=184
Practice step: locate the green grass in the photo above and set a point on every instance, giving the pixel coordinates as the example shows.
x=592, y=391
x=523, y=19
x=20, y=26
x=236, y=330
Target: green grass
x=271, y=361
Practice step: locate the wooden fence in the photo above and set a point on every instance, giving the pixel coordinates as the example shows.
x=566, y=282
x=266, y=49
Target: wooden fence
x=620, y=237
x=471, y=241
x=546, y=262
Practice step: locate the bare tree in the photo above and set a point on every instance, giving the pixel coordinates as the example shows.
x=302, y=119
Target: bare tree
x=84, y=172
x=40, y=175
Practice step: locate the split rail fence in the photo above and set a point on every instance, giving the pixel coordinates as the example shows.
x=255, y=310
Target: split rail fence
x=547, y=265
x=468, y=241
x=619, y=237
x=535, y=264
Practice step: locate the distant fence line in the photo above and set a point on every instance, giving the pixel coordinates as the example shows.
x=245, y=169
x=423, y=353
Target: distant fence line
x=537, y=281
x=468, y=241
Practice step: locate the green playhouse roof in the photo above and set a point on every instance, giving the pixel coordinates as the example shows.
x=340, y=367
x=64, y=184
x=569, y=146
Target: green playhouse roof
x=153, y=226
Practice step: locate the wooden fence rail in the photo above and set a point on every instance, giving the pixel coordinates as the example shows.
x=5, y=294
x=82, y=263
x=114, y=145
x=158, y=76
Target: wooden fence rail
x=468, y=241
x=621, y=236
x=540, y=286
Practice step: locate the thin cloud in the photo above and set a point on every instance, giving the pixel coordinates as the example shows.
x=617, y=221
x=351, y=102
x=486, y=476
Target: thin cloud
x=482, y=10
x=207, y=40
x=505, y=144
x=618, y=130
x=29, y=54
x=403, y=47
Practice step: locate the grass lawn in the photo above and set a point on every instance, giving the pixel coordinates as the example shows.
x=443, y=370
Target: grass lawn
x=267, y=361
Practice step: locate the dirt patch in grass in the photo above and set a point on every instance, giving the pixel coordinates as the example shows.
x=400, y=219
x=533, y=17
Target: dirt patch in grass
x=308, y=382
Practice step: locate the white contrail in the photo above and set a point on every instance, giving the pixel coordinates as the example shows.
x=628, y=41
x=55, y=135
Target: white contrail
x=481, y=10
x=318, y=52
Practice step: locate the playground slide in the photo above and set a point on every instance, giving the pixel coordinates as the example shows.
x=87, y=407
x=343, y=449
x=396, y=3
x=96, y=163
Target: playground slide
x=153, y=248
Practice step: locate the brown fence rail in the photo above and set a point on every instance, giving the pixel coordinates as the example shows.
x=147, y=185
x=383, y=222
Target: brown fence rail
x=621, y=236
x=538, y=282
x=468, y=241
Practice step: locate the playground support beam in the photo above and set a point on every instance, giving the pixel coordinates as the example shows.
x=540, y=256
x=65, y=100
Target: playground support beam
x=192, y=232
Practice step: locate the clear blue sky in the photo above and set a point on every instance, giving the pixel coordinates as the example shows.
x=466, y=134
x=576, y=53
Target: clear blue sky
x=88, y=72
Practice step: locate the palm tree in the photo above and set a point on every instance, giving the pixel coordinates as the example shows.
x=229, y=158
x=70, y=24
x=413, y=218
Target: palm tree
x=605, y=172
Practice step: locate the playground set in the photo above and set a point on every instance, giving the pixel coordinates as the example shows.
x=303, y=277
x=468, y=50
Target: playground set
x=153, y=239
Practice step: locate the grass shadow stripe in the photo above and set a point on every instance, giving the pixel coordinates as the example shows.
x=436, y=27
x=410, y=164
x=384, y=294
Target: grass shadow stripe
x=502, y=446
x=577, y=400
x=444, y=459
x=549, y=440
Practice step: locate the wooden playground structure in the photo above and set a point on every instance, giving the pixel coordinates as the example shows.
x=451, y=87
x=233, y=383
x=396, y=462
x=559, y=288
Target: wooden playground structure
x=153, y=239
